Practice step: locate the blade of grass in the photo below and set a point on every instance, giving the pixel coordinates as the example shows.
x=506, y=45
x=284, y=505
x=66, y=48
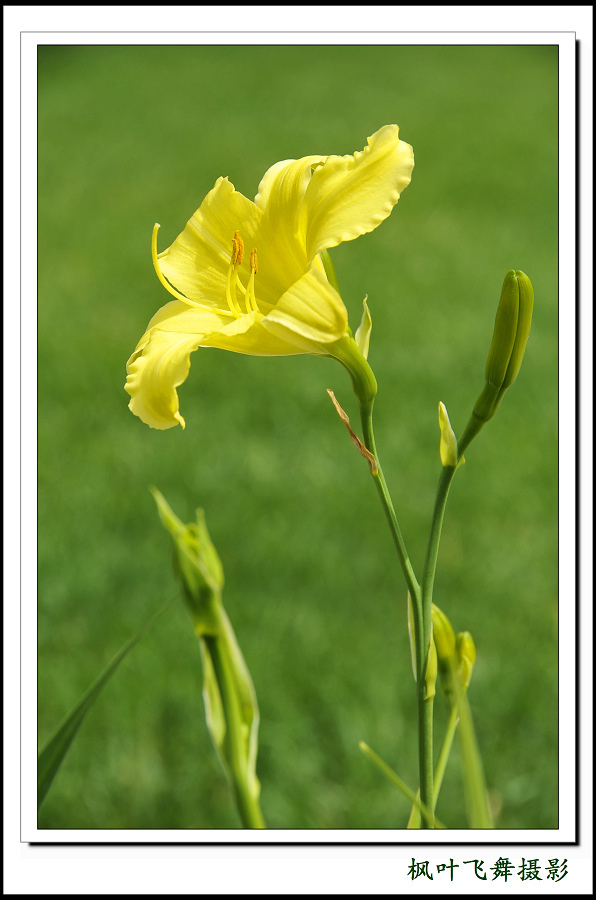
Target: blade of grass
x=55, y=749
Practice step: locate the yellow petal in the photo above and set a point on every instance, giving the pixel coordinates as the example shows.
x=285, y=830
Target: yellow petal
x=310, y=313
x=350, y=195
x=159, y=364
x=282, y=244
x=248, y=335
x=243, y=335
x=161, y=360
x=197, y=262
x=283, y=187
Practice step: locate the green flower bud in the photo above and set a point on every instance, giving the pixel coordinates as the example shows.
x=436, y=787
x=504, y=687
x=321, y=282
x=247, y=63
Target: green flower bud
x=524, y=323
x=465, y=651
x=231, y=708
x=198, y=565
x=504, y=333
x=362, y=336
x=430, y=675
x=512, y=327
x=444, y=639
x=448, y=443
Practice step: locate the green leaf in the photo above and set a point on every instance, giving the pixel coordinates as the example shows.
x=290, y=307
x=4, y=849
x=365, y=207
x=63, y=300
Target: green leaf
x=473, y=773
x=52, y=755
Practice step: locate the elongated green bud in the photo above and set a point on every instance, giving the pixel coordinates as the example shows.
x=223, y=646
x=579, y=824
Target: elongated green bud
x=444, y=639
x=231, y=708
x=501, y=347
x=465, y=651
x=524, y=323
x=512, y=328
x=505, y=331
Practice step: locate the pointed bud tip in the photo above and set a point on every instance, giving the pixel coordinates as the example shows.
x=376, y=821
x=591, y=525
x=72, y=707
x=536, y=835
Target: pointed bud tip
x=362, y=336
x=448, y=442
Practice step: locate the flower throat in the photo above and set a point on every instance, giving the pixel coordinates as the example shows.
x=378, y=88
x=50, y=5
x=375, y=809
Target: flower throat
x=233, y=282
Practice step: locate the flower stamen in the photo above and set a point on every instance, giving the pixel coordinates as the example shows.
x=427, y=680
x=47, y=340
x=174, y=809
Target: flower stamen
x=232, y=276
x=250, y=299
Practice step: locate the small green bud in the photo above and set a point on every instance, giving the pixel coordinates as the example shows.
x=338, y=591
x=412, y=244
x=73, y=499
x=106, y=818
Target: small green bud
x=444, y=638
x=430, y=675
x=362, y=336
x=465, y=651
x=448, y=443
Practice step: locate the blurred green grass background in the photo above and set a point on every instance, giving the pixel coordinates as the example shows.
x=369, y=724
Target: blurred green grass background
x=133, y=135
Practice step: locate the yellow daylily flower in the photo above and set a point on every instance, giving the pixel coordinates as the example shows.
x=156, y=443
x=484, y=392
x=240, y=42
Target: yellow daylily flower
x=249, y=277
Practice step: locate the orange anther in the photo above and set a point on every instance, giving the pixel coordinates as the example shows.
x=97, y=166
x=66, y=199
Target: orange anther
x=253, y=260
x=237, y=249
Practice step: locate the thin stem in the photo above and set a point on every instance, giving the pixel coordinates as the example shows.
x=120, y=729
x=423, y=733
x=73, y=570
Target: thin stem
x=381, y=484
x=414, y=820
x=421, y=629
x=246, y=801
x=428, y=578
x=430, y=565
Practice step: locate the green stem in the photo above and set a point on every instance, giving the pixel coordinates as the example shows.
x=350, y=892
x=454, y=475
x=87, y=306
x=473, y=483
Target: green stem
x=428, y=578
x=246, y=800
x=381, y=484
x=422, y=630
x=414, y=820
x=425, y=746
x=432, y=552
